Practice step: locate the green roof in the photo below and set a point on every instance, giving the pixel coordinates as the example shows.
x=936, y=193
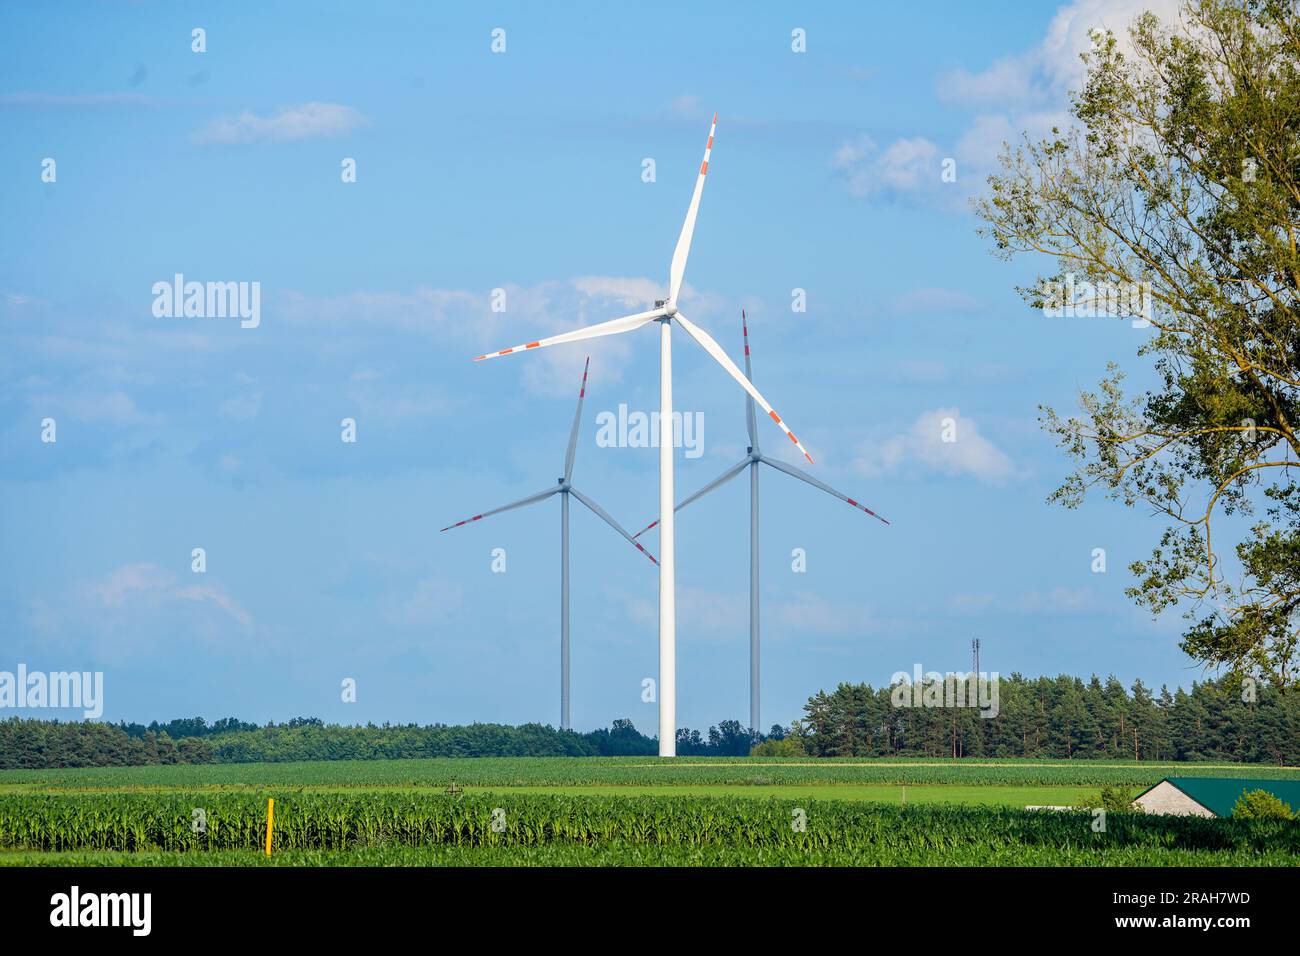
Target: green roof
x=1219, y=794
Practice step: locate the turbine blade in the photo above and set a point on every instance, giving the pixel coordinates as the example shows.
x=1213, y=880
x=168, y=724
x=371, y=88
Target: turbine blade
x=625, y=324
x=683, y=250
x=722, y=479
x=709, y=345
x=514, y=504
x=803, y=476
x=577, y=421
x=751, y=420
x=600, y=512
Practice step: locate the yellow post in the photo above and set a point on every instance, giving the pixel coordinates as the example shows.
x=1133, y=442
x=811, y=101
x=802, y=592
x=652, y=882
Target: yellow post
x=270, y=822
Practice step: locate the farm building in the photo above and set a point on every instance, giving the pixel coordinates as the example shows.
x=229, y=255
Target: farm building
x=1210, y=796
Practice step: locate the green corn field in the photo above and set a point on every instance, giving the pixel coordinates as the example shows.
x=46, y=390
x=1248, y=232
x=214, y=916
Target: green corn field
x=620, y=811
x=727, y=829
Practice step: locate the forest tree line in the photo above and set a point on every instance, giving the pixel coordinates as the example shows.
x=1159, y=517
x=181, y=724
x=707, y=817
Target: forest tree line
x=1047, y=717
x=1063, y=717
x=43, y=744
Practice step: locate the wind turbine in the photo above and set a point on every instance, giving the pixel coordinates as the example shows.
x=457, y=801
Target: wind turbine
x=666, y=314
x=564, y=488
x=752, y=460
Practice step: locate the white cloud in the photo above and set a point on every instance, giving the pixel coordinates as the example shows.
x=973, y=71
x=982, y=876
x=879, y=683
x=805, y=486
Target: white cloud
x=464, y=322
x=1053, y=67
x=308, y=121
x=1054, y=601
x=971, y=604
x=207, y=593
x=1006, y=82
x=862, y=74
x=635, y=293
x=906, y=166
x=686, y=106
x=722, y=617
x=113, y=590
x=98, y=408
x=421, y=310
x=1025, y=93
x=429, y=602
x=979, y=147
x=149, y=582
x=931, y=300
x=1057, y=600
x=241, y=408
x=808, y=613
x=917, y=372
x=921, y=447
x=393, y=402
x=700, y=612
x=132, y=607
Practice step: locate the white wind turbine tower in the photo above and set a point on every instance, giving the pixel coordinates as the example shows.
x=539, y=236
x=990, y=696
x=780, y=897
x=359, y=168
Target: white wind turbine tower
x=752, y=460
x=666, y=314
x=564, y=488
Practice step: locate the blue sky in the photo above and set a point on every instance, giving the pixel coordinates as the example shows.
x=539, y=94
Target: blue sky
x=522, y=171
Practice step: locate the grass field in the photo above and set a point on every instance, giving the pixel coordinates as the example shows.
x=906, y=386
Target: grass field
x=568, y=772
x=617, y=811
